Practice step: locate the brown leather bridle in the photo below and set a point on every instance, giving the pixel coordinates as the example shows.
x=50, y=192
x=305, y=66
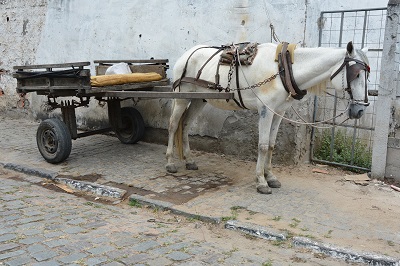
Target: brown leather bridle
x=352, y=72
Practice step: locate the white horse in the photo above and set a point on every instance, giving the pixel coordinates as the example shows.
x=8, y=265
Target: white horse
x=347, y=69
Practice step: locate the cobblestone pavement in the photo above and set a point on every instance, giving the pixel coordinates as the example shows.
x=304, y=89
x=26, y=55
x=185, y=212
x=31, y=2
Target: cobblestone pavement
x=42, y=227
x=322, y=207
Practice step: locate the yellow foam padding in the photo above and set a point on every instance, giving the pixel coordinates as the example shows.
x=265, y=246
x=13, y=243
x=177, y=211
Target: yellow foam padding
x=290, y=48
x=118, y=79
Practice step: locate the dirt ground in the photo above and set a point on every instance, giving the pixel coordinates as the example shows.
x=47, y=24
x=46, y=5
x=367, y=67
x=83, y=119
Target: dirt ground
x=323, y=203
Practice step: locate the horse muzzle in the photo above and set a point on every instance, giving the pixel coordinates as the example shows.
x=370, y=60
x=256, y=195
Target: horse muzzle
x=357, y=109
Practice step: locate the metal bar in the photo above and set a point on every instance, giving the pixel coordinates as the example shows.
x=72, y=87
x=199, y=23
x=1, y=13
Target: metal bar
x=341, y=29
x=333, y=128
x=340, y=164
x=94, y=132
x=55, y=88
x=349, y=126
x=321, y=18
x=364, y=28
x=355, y=10
x=177, y=95
x=312, y=128
x=353, y=143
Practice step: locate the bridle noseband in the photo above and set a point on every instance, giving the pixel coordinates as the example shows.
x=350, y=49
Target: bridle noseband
x=352, y=72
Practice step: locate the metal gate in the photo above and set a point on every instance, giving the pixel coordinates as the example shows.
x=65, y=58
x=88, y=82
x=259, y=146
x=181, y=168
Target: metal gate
x=349, y=142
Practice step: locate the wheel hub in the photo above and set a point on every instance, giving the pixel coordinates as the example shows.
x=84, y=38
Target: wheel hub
x=49, y=141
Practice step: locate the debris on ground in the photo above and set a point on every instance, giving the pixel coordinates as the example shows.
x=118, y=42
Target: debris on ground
x=362, y=179
x=395, y=188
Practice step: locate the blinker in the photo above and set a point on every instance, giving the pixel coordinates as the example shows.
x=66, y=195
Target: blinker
x=354, y=70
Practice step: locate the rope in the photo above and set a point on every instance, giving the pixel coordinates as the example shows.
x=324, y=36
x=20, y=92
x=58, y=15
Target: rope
x=273, y=34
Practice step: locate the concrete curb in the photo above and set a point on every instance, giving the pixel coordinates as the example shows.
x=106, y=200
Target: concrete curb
x=345, y=254
x=94, y=188
x=31, y=171
x=170, y=207
x=327, y=249
x=254, y=230
x=100, y=190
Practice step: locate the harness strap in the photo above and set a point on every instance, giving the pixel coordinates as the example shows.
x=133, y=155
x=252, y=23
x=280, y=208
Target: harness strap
x=178, y=81
x=208, y=60
x=241, y=105
x=351, y=74
x=199, y=82
x=285, y=66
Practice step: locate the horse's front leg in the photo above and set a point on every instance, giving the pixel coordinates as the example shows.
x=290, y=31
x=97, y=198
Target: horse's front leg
x=178, y=108
x=272, y=180
x=264, y=127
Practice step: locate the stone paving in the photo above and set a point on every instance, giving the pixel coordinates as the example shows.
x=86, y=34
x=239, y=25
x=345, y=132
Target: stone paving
x=296, y=207
x=40, y=227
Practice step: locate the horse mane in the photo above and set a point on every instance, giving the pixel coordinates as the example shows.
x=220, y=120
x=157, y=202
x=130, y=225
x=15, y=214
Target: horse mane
x=319, y=89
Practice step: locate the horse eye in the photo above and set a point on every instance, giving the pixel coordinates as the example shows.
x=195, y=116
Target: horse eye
x=358, y=75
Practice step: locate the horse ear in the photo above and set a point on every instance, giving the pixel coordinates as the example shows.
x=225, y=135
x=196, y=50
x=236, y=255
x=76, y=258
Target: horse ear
x=350, y=48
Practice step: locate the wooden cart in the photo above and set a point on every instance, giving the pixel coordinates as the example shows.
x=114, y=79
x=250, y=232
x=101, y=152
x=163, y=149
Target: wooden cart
x=67, y=86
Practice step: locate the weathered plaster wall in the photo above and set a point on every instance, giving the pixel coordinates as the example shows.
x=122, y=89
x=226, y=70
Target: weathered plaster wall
x=87, y=30
x=21, y=24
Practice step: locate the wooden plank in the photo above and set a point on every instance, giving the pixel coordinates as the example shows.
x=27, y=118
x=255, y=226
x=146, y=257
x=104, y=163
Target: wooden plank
x=140, y=61
x=176, y=95
x=30, y=75
x=65, y=65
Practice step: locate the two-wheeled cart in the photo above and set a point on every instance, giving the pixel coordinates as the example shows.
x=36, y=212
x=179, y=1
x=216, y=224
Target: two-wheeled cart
x=68, y=86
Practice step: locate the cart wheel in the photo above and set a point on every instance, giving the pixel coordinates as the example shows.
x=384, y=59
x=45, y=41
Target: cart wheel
x=132, y=129
x=53, y=140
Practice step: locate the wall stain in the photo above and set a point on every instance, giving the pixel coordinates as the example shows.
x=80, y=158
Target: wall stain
x=24, y=31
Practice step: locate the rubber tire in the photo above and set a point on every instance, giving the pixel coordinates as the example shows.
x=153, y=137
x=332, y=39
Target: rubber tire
x=133, y=126
x=53, y=140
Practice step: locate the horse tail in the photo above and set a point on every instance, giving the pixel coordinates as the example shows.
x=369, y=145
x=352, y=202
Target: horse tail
x=179, y=138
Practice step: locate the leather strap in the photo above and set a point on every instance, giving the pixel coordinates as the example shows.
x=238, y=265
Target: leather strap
x=208, y=60
x=238, y=85
x=285, y=66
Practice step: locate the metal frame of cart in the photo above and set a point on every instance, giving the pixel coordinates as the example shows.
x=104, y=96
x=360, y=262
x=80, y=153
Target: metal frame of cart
x=54, y=137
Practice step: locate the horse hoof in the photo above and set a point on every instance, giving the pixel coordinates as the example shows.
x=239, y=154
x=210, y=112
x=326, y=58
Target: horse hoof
x=264, y=189
x=171, y=168
x=274, y=183
x=191, y=166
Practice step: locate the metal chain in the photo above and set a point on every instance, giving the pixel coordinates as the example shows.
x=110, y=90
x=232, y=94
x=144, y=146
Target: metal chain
x=230, y=73
x=257, y=85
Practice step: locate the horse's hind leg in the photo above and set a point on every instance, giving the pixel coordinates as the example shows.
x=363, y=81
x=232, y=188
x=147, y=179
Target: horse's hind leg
x=272, y=180
x=190, y=114
x=179, y=107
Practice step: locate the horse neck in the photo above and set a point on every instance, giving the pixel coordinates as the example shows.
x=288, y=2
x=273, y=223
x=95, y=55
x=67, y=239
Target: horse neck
x=314, y=66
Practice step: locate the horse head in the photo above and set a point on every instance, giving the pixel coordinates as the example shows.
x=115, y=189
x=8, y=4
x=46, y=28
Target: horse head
x=352, y=76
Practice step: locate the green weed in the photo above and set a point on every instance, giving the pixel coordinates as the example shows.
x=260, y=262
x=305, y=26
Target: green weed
x=344, y=150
